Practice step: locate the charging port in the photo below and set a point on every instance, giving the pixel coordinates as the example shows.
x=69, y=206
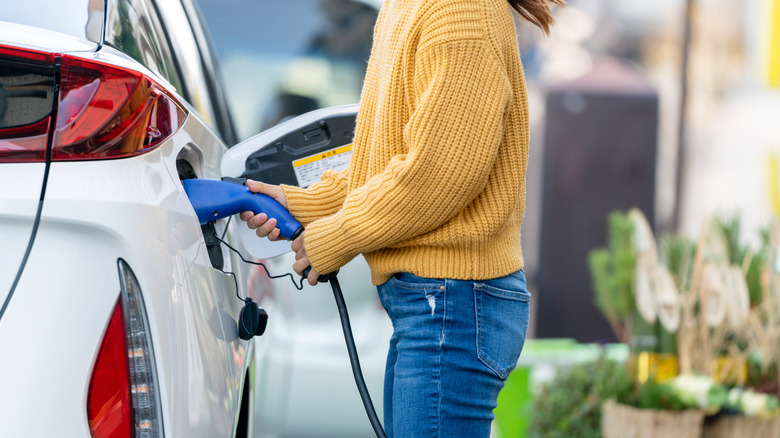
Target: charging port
x=213, y=248
x=185, y=169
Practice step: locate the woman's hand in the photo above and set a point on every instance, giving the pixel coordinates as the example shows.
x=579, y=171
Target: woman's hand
x=264, y=226
x=302, y=260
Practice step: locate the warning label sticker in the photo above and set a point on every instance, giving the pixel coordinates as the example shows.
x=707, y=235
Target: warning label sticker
x=308, y=170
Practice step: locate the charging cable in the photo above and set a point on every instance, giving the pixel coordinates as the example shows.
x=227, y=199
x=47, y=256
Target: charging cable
x=346, y=327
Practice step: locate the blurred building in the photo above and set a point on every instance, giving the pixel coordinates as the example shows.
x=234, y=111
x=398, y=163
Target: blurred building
x=732, y=139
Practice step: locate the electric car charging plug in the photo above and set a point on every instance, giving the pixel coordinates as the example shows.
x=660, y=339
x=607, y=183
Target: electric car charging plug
x=215, y=199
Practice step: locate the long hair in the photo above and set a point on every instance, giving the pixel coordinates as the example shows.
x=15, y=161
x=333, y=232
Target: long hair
x=537, y=11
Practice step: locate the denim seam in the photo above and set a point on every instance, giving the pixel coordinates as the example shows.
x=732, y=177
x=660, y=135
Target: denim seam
x=483, y=358
x=442, y=337
x=415, y=286
x=502, y=293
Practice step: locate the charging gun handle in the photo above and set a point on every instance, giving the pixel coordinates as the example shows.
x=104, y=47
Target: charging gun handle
x=215, y=199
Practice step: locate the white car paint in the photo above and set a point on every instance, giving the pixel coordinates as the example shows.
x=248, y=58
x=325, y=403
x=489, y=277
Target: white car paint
x=95, y=213
x=20, y=185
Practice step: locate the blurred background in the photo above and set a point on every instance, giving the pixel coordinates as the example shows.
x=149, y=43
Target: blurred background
x=671, y=106
x=606, y=96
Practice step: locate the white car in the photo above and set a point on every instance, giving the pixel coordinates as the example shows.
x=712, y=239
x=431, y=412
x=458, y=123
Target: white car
x=115, y=319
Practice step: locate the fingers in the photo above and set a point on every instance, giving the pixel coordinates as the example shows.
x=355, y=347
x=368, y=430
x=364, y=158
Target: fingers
x=301, y=253
x=313, y=277
x=297, y=244
x=301, y=264
x=263, y=226
x=266, y=228
x=302, y=260
x=255, y=221
x=275, y=235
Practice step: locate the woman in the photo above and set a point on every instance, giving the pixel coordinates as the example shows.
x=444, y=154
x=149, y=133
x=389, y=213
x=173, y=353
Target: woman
x=433, y=198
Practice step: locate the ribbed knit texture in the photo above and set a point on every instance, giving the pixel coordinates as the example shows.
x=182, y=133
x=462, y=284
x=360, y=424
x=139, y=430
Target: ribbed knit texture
x=436, y=182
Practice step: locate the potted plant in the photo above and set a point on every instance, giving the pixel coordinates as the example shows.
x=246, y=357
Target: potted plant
x=672, y=409
x=746, y=414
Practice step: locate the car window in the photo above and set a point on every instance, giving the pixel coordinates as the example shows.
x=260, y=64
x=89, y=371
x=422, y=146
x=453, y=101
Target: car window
x=285, y=58
x=134, y=28
x=80, y=18
x=188, y=57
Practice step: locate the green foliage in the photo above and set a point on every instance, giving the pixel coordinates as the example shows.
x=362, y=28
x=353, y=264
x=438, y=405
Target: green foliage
x=763, y=378
x=716, y=399
x=612, y=269
x=772, y=403
x=680, y=393
x=570, y=404
x=730, y=227
x=654, y=395
x=679, y=255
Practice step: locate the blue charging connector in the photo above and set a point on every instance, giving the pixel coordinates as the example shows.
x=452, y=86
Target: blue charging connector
x=214, y=199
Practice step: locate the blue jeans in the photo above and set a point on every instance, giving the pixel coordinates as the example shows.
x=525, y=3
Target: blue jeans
x=454, y=344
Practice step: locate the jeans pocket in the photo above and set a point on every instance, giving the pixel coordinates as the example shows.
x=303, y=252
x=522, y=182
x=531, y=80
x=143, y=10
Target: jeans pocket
x=405, y=280
x=407, y=296
x=502, y=323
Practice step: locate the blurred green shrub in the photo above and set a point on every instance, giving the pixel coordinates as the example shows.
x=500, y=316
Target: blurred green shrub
x=612, y=273
x=570, y=404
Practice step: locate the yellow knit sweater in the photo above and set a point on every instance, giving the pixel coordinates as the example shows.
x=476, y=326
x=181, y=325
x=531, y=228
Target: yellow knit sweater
x=436, y=182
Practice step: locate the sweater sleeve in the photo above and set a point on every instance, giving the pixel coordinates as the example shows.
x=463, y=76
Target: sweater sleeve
x=321, y=199
x=452, y=137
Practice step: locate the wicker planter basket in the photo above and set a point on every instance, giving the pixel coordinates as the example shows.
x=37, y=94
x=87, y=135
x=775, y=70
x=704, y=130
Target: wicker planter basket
x=739, y=426
x=622, y=421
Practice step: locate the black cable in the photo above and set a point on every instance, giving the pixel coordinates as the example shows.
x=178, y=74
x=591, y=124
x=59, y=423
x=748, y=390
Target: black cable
x=227, y=224
x=346, y=327
x=235, y=280
x=298, y=286
x=354, y=361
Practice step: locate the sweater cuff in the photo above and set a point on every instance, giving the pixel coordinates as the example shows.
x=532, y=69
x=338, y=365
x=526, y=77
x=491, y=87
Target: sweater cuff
x=319, y=200
x=327, y=244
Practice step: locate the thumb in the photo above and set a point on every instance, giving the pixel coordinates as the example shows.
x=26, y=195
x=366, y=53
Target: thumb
x=271, y=190
x=256, y=186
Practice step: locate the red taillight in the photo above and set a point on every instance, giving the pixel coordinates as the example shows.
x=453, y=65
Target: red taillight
x=109, y=410
x=104, y=111
x=24, y=144
x=28, y=54
x=26, y=101
x=109, y=112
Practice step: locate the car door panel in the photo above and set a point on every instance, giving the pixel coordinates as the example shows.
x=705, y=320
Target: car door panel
x=20, y=185
x=126, y=209
x=94, y=214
